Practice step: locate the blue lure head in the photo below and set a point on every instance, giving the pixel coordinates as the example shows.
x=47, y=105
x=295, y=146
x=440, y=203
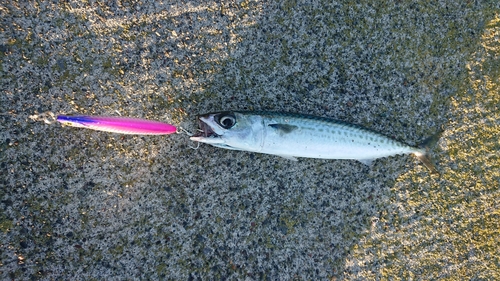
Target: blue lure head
x=76, y=121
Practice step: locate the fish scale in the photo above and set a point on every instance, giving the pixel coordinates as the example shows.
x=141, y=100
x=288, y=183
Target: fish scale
x=327, y=139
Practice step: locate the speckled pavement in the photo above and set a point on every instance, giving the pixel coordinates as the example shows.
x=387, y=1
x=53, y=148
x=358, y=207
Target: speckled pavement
x=77, y=204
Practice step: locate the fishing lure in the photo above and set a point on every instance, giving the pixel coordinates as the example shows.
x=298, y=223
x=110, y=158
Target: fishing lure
x=122, y=125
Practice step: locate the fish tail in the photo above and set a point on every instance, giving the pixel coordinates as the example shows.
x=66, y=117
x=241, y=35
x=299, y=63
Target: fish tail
x=423, y=153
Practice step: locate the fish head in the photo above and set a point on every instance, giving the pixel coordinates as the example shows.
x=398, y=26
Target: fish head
x=229, y=129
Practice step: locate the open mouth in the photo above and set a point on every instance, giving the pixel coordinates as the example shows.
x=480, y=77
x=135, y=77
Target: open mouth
x=204, y=130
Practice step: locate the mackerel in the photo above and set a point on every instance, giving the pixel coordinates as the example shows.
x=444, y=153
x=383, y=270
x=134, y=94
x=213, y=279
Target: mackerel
x=296, y=135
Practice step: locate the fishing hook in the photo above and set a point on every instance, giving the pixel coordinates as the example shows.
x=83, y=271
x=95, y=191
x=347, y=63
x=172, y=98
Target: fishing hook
x=182, y=130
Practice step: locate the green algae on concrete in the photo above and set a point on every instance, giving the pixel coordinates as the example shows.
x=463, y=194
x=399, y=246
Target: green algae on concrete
x=449, y=228
x=5, y=224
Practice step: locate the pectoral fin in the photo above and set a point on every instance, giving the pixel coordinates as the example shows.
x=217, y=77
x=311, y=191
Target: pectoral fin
x=283, y=128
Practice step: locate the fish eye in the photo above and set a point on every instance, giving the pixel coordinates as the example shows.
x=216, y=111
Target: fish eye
x=227, y=121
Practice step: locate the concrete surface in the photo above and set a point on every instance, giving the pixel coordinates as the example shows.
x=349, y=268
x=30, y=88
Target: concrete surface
x=77, y=204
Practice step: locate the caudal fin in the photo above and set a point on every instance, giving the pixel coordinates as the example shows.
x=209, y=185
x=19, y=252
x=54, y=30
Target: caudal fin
x=426, y=160
x=424, y=156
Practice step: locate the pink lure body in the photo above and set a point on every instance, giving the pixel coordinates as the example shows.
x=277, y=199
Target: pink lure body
x=122, y=125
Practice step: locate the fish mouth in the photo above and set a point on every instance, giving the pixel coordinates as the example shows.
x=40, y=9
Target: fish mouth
x=204, y=130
